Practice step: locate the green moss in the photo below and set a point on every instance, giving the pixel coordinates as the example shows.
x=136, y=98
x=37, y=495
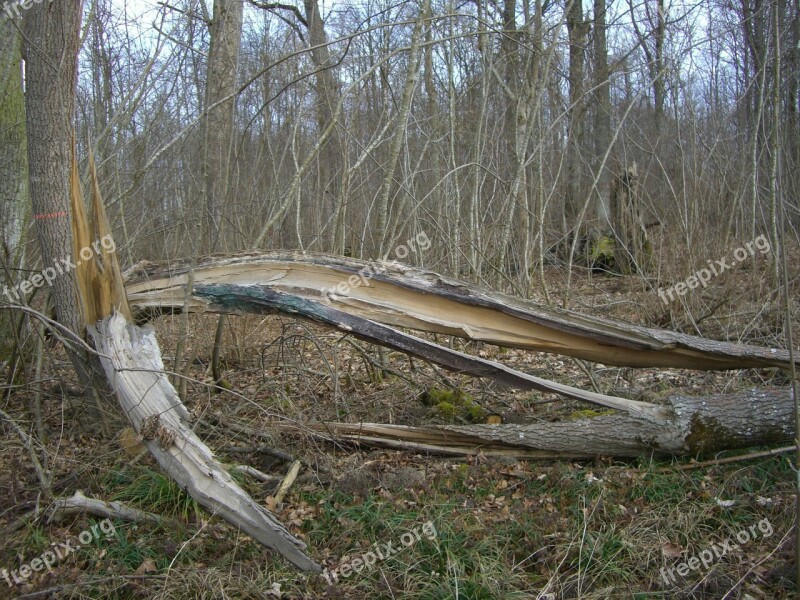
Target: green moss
x=453, y=403
x=588, y=414
x=436, y=394
x=446, y=409
x=602, y=249
x=475, y=413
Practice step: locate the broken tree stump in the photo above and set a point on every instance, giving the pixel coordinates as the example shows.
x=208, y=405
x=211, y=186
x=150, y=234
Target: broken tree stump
x=131, y=361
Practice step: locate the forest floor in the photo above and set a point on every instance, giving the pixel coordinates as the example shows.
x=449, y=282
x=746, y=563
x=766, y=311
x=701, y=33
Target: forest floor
x=436, y=527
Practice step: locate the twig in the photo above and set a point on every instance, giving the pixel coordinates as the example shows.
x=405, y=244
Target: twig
x=260, y=475
x=287, y=482
x=47, y=490
x=78, y=504
x=728, y=460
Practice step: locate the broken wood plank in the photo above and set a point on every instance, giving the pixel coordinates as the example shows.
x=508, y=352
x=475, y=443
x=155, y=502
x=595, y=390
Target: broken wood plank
x=402, y=296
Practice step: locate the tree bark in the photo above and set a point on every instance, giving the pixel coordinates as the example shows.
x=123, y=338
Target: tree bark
x=328, y=96
x=578, y=29
x=14, y=196
x=602, y=112
x=220, y=103
x=50, y=49
x=630, y=236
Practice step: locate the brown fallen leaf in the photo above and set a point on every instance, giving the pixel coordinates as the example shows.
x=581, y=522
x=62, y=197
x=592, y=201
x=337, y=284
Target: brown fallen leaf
x=671, y=550
x=130, y=442
x=148, y=566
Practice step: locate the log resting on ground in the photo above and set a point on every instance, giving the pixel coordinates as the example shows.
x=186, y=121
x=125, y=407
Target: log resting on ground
x=402, y=296
x=696, y=426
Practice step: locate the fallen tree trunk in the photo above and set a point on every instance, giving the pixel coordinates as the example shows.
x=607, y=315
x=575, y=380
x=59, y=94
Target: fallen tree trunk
x=685, y=426
x=695, y=426
x=132, y=362
x=398, y=295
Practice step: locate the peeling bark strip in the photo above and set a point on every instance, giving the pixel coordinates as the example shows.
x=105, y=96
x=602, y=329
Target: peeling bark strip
x=132, y=363
x=697, y=425
x=408, y=297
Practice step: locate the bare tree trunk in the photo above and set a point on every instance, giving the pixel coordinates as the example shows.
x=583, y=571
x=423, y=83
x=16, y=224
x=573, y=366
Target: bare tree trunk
x=658, y=68
x=578, y=29
x=656, y=62
x=223, y=62
x=412, y=76
x=775, y=150
x=14, y=197
x=50, y=48
x=515, y=126
x=602, y=111
x=331, y=160
x=223, y=65
x=630, y=253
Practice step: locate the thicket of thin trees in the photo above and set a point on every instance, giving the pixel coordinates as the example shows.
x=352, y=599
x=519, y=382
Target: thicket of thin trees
x=495, y=127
